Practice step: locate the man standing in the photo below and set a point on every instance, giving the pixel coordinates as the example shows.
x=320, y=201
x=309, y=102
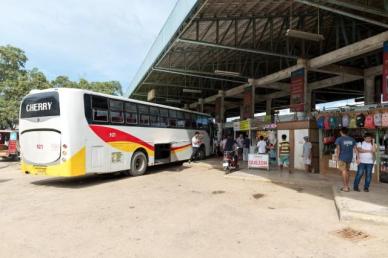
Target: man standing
x=261, y=145
x=284, y=153
x=365, y=161
x=344, y=152
x=307, y=154
x=196, y=143
x=240, y=144
x=247, y=144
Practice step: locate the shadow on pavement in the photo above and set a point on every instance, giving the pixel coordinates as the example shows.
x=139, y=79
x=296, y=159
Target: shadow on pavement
x=97, y=179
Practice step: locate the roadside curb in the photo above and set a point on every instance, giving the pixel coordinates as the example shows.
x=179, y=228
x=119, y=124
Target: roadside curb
x=199, y=165
x=345, y=214
x=300, y=182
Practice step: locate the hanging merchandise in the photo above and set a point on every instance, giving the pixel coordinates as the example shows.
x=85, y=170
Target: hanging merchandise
x=321, y=122
x=369, y=122
x=328, y=140
x=352, y=123
x=338, y=120
x=345, y=120
x=326, y=124
x=360, y=120
x=384, y=119
x=377, y=119
x=333, y=122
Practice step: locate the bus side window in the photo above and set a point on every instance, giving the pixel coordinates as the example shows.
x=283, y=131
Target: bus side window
x=163, y=117
x=181, y=123
x=100, y=109
x=188, y=120
x=154, y=118
x=130, y=113
x=172, y=118
x=116, y=111
x=144, y=114
x=194, y=121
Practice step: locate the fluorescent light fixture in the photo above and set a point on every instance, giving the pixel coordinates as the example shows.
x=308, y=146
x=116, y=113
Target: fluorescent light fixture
x=173, y=101
x=227, y=73
x=304, y=35
x=192, y=91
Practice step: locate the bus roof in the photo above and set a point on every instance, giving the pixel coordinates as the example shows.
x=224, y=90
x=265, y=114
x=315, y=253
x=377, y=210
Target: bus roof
x=116, y=97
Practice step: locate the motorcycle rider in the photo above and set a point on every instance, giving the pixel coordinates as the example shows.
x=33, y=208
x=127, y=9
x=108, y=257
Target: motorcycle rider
x=231, y=146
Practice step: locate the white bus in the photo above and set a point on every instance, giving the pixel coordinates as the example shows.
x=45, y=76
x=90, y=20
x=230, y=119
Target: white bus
x=73, y=132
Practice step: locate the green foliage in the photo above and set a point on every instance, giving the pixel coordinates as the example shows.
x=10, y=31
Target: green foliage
x=16, y=82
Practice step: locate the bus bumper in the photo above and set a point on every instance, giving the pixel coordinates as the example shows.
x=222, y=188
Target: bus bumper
x=75, y=166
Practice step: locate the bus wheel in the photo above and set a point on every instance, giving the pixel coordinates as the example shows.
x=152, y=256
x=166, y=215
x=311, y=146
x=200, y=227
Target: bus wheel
x=139, y=164
x=201, y=153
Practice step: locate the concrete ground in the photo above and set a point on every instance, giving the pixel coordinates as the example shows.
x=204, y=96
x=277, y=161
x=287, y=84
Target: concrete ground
x=175, y=212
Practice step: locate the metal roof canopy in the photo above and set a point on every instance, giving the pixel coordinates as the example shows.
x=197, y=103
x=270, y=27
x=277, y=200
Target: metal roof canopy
x=248, y=37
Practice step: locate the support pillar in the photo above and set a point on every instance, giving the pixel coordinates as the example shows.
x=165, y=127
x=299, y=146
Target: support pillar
x=201, y=105
x=220, y=113
x=307, y=95
x=268, y=108
x=369, y=90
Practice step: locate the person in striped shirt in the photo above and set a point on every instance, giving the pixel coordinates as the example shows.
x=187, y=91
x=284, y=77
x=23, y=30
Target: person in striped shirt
x=284, y=153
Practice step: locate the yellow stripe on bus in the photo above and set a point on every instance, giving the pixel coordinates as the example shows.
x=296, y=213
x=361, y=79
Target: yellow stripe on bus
x=130, y=147
x=75, y=166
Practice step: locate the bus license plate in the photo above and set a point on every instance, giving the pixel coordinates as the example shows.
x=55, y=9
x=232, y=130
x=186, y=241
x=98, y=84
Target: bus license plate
x=40, y=170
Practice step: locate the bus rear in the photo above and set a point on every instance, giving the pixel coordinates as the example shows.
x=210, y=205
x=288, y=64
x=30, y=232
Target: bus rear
x=45, y=149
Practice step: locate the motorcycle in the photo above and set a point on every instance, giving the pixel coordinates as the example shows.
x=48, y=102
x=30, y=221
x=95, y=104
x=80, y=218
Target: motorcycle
x=230, y=161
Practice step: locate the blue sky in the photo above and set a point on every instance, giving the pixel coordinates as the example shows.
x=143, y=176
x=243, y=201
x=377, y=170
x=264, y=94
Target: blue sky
x=98, y=40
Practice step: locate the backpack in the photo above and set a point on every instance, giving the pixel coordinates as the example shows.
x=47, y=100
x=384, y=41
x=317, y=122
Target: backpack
x=326, y=123
x=377, y=119
x=352, y=123
x=333, y=122
x=360, y=120
x=345, y=120
x=369, y=122
x=384, y=120
x=320, y=122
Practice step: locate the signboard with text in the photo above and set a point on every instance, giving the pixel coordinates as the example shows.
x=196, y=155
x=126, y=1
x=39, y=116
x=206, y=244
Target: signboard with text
x=385, y=72
x=258, y=161
x=297, y=90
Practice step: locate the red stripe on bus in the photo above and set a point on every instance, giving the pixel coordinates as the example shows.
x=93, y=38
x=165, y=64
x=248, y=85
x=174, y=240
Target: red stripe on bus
x=108, y=134
x=180, y=147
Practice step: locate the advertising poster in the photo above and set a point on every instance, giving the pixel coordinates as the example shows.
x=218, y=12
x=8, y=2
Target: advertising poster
x=297, y=91
x=260, y=161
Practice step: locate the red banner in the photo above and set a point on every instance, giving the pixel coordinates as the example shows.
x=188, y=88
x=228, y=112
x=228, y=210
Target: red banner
x=385, y=72
x=297, y=91
x=248, y=104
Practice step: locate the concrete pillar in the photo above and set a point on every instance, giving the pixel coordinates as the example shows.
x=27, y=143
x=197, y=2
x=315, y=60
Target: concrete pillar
x=221, y=96
x=369, y=90
x=307, y=95
x=241, y=110
x=268, y=108
x=201, y=104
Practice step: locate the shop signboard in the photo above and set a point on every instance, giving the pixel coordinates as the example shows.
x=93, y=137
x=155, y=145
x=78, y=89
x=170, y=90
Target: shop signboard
x=244, y=125
x=247, y=104
x=385, y=72
x=297, y=90
x=260, y=161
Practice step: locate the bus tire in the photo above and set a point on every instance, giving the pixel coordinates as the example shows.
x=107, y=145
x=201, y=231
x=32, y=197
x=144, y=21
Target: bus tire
x=139, y=164
x=202, y=153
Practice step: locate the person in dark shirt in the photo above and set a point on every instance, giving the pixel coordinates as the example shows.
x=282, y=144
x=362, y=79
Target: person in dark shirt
x=230, y=144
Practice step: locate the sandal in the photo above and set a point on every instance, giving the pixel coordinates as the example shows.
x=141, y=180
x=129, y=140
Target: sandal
x=344, y=189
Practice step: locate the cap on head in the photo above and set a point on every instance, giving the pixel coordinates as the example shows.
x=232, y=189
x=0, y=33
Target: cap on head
x=306, y=138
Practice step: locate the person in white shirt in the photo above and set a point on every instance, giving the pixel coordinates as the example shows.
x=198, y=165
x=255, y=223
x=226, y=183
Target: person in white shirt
x=307, y=154
x=262, y=145
x=365, y=160
x=196, y=144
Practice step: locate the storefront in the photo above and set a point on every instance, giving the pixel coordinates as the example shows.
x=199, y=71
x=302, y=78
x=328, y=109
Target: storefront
x=359, y=121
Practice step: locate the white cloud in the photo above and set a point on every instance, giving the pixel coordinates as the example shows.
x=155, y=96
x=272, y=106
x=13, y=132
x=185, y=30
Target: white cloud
x=94, y=39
